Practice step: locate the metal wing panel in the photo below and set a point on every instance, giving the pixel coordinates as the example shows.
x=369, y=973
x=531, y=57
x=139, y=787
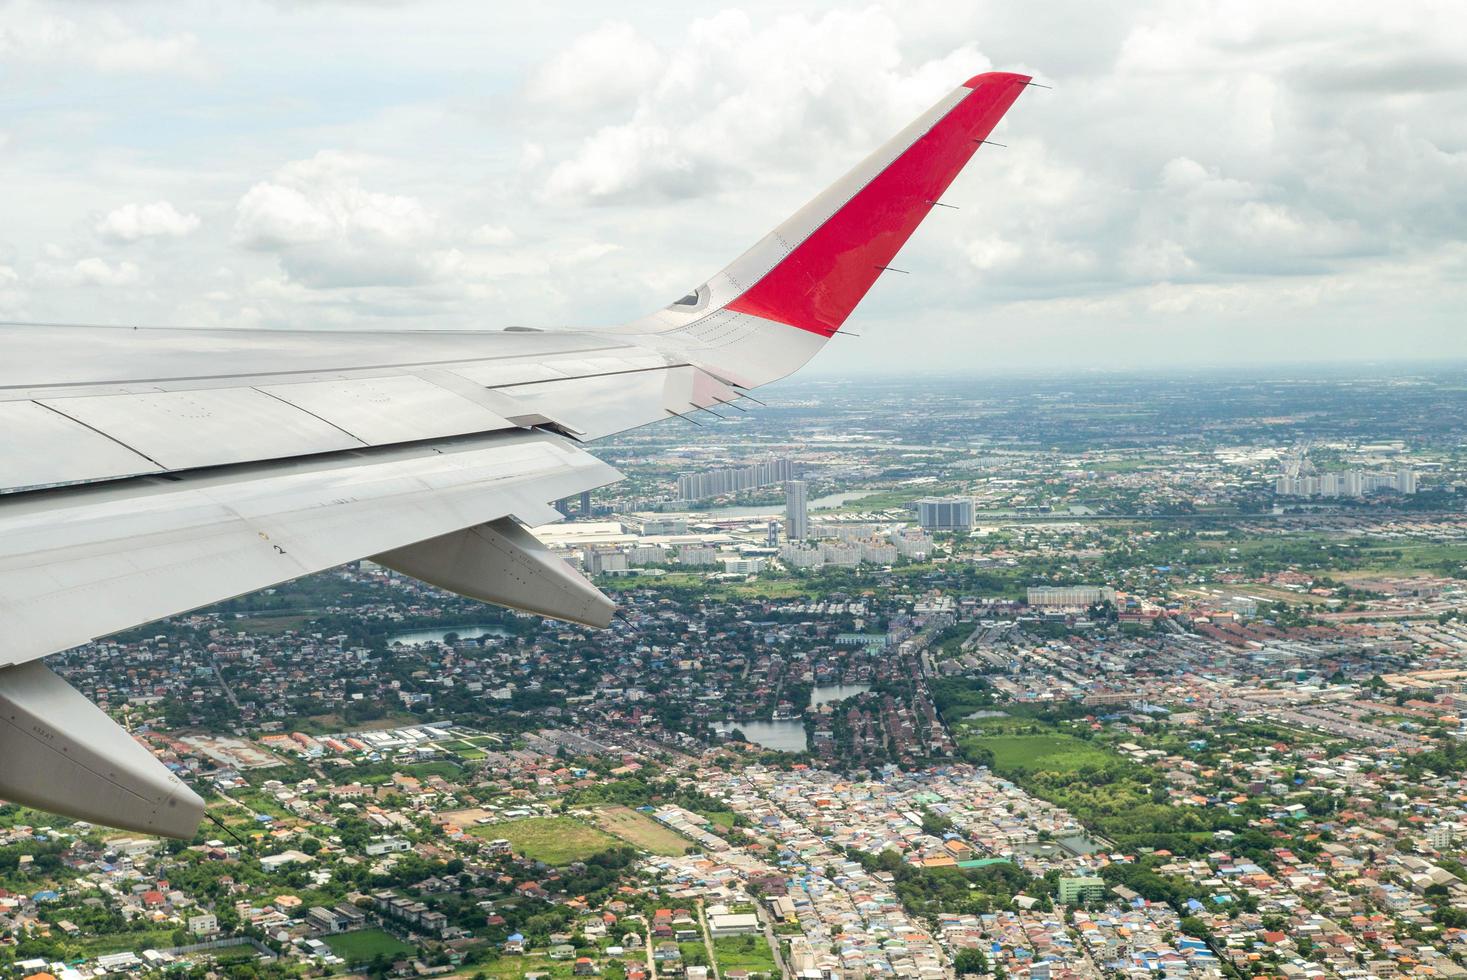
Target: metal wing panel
x=598, y=406
x=40, y=447
x=187, y=429
x=383, y=411
x=86, y=562
x=43, y=358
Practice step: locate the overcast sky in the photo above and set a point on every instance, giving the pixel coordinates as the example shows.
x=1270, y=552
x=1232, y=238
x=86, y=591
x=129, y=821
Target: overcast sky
x=1208, y=182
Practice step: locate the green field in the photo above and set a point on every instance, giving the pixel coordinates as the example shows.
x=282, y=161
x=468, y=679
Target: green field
x=365, y=944
x=743, y=953
x=118, y=942
x=555, y=840
x=640, y=830
x=1039, y=753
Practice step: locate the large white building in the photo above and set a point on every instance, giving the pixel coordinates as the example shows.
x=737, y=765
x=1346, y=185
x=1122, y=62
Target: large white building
x=1069, y=596
x=711, y=483
x=1346, y=483
x=697, y=554
x=945, y=513
x=737, y=565
x=796, y=519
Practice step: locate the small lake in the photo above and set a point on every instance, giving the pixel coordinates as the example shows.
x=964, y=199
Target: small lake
x=789, y=735
x=836, y=692
x=417, y=637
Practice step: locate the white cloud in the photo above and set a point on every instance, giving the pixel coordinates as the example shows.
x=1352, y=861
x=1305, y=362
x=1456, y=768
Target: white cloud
x=1250, y=165
x=12, y=296
x=734, y=98
x=329, y=231
x=91, y=271
x=492, y=235
x=132, y=222
x=33, y=33
x=607, y=67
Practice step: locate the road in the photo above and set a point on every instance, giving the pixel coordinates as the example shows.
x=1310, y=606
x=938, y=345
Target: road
x=772, y=940
x=708, y=943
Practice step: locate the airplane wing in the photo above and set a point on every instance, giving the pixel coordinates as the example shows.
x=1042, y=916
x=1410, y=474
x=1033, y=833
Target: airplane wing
x=147, y=472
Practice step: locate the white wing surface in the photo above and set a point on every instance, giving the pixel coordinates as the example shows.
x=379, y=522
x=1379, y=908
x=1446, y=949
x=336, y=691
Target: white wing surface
x=147, y=472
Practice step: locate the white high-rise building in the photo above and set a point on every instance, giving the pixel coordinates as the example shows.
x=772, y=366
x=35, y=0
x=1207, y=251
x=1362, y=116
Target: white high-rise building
x=797, y=555
x=945, y=513
x=796, y=521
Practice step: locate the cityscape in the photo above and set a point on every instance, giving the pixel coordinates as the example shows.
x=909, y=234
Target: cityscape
x=1035, y=678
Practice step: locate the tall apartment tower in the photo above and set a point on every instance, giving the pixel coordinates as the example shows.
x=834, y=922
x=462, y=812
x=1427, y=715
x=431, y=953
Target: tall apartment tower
x=945, y=513
x=796, y=522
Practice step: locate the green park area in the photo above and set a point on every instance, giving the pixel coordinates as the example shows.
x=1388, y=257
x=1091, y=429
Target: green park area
x=365, y=945
x=555, y=840
x=1112, y=796
x=1039, y=753
x=743, y=953
x=1012, y=744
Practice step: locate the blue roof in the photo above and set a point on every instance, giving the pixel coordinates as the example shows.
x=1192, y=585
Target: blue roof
x=517, y=938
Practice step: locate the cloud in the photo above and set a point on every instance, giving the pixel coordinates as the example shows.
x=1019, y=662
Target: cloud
x=734, y=97
x=609, y=66
x=33, y=33
x=12, y=295
x=133, y=222
x=1296, y=170
x=329, y=231
x=91, y=271
x=492, y=235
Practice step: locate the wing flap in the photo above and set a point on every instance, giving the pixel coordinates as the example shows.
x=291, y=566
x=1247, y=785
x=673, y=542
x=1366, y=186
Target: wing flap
x=88, y=561
x=383, y=411
x=40, y=447
x=182, y=430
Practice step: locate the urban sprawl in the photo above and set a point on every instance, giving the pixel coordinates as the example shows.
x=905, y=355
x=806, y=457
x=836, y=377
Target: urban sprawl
x=1040, y=680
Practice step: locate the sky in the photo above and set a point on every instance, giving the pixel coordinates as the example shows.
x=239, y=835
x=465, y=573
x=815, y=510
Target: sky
x=1206, y=183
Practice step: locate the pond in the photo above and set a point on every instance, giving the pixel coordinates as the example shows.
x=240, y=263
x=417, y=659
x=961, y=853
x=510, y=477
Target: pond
x=826, y=693
x=789, y=735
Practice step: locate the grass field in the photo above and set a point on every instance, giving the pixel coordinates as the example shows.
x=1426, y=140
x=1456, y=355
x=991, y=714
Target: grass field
x=640, y=830
x=1039, y=753
x=721, y=818
x=555, y=840
x=118, y=942
x=743, y=953
x=515, y=967
x=363, y=945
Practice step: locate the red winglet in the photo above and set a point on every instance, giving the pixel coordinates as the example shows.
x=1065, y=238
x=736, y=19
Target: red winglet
x=817, y=285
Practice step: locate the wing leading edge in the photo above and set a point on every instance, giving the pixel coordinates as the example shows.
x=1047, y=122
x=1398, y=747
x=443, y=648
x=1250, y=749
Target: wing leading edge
x=144, y=473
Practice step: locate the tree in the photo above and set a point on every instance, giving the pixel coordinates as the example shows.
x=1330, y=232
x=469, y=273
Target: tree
x=970, y=961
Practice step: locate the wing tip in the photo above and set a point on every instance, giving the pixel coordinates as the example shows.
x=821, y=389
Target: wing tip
x=996, y=77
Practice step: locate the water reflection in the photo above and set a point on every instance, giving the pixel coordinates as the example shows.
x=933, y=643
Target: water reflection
x=789, y=735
